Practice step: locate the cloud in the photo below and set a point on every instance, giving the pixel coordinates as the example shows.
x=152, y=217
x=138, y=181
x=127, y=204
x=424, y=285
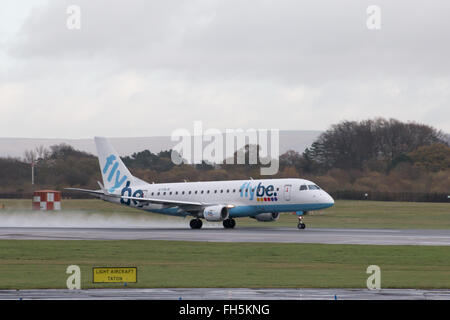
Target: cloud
x=145, y=68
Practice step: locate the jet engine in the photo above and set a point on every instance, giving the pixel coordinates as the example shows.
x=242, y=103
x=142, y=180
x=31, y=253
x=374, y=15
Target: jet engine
x=267, y=216
x=215, y=213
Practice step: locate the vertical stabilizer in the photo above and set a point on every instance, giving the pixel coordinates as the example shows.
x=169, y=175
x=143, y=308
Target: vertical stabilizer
x=114, y=173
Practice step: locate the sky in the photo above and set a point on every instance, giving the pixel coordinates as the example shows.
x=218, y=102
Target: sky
x=146, y=68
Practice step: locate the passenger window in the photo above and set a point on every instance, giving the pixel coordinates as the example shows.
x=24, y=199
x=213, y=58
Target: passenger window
x=303, y=187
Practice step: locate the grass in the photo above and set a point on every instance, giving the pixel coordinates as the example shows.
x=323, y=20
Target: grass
x=42, y=264
x=26, y=264
x=344, y=214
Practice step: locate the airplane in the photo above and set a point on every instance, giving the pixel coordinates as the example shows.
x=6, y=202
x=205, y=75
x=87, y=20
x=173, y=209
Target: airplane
x=262, y=199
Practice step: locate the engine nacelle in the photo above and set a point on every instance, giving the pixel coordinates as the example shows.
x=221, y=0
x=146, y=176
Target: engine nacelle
x=215, y=213
x=267, y=216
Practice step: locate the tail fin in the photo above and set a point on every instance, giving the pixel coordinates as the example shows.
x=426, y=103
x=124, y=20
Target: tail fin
x=114, y=173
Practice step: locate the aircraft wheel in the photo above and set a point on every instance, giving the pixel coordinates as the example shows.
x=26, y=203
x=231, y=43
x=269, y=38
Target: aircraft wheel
x=229, y=223
x=301, y=226
x=196, y=223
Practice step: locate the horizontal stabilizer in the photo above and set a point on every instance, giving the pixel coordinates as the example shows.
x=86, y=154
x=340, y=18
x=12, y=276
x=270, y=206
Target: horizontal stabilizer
x=92, y=192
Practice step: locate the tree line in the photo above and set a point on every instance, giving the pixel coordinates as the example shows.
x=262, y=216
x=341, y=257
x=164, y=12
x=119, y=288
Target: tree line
x=378, y=155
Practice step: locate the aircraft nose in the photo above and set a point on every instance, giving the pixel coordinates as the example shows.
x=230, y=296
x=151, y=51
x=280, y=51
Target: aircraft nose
x=329, y=199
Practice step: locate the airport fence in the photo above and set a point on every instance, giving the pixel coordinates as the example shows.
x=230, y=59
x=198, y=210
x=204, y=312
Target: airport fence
x=337, y=195
x=391, y=196
x=29, y=195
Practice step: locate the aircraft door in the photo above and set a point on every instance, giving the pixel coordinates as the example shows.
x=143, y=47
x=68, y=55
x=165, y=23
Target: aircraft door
x=287, y=192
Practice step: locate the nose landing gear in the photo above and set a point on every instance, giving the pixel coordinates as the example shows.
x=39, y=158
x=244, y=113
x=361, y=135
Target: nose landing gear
x=301, y=225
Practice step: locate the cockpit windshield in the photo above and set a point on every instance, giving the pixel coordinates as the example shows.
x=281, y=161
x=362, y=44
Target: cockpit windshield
x=303, y=187
x=313, y=187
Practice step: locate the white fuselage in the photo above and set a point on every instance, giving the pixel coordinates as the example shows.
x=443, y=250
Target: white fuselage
x=244, y=198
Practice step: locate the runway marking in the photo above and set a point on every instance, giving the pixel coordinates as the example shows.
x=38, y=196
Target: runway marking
x=226, y=294
x=275, y=235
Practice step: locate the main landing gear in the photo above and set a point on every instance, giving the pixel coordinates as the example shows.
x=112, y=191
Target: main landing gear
x=229, y=223
x=301, y=225
x=196, y=223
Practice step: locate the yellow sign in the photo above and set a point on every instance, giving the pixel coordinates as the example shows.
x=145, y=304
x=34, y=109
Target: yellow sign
x=114, y=274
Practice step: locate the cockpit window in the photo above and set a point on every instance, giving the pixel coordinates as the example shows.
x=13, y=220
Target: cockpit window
x=313, y=187
x=303, y=187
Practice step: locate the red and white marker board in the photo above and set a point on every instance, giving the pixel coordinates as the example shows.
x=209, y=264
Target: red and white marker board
x=47, y=200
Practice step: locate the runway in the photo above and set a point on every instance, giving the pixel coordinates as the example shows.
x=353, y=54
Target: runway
x=225, y=294
x=255, y=234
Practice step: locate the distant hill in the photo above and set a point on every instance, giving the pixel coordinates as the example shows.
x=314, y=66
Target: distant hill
x=297, y=140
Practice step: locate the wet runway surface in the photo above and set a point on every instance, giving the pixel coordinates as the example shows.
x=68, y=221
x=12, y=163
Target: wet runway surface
x=226, y=294
x=276, y=235
x=258, y=234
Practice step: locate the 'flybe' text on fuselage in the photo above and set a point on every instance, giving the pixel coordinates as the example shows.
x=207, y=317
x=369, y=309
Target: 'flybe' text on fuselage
x=260, y=192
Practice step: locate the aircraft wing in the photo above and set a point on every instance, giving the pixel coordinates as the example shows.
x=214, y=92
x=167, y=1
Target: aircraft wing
x=138, y=199
x=164, y=201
